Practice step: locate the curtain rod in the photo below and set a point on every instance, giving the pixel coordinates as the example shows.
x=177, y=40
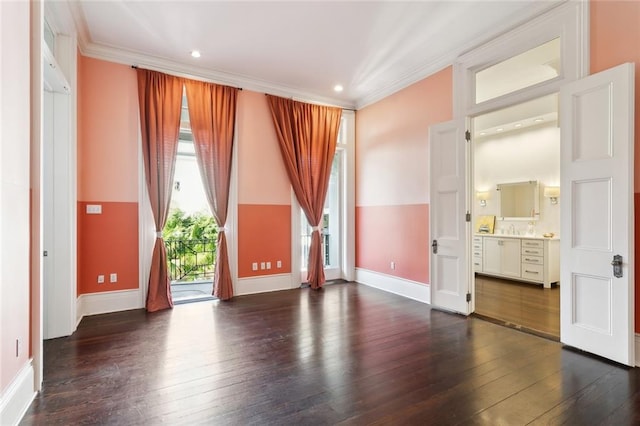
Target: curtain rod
x=312, y=103
x=184, y=75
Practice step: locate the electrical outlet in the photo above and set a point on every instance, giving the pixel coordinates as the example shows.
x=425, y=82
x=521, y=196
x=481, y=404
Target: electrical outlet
x=100, y=279
x=254, y=266
x=18, y=348
x=279, y=264
x=262, y=265
x=393, y=265
x=113, y=278
x=268, y=265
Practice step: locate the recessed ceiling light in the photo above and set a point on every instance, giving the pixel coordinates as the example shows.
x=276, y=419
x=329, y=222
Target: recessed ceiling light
x=499, y=129
x=338, y=88
x=195, y=53
x=538, y=120
x=517, y=125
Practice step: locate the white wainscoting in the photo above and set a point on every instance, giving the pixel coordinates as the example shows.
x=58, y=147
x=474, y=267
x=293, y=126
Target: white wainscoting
x=16, y=399
x=264, y=284
x=400, y=286
x=109, y=301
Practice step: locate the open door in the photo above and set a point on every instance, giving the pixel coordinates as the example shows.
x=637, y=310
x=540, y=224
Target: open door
x=448, y=225
x=597, y=282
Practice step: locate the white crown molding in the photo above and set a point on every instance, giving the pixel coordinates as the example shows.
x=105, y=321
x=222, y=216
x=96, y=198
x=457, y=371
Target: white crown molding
x=122, y=56
x=448, y=59
x=67, y=17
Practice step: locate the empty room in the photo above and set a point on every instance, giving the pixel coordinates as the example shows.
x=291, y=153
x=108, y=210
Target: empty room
x=311, y=212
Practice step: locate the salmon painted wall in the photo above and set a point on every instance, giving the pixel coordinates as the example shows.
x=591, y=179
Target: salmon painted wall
x=14, y=193
x=392, y=177
x=264, y=192
x=615, y=39
x=108, y=131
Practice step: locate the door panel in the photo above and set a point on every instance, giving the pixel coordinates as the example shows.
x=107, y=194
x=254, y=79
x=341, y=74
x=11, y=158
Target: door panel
x=597, y=308
x=448, y=226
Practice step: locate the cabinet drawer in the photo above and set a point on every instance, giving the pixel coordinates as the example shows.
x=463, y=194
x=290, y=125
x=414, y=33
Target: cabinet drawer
x=532, y=251
x=532, y=244
x=477, y=264
x=533, y=260
x=532, y=272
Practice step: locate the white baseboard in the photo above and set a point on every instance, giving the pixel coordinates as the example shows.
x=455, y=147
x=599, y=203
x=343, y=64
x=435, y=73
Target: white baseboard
x=17, y=398
x=263, y=284
x=109, y=301
x=637, y=349
x=400, y=286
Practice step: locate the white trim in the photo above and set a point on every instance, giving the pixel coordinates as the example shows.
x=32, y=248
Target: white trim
x=263, y=284
x=569, y=20
x=108, y=301
x=400, y=286
x=17, y=398
x=348, y=221
x=637, y=350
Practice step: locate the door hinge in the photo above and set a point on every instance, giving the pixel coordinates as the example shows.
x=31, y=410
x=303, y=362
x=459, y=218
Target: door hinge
x=467, y=136
x=45, y=253
x=468, y=217
x=468, y=297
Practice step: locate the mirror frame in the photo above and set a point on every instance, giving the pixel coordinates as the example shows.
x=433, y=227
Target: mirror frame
x=536, y=200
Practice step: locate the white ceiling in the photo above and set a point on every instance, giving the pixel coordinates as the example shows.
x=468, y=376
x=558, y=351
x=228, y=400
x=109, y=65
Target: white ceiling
x=292, y=48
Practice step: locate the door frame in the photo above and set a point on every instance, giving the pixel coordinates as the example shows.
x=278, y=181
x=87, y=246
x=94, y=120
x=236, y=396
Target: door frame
x=570, y=21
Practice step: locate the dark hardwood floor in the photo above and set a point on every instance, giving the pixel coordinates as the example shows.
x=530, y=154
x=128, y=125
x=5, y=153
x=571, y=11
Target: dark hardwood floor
x=348, y=354
x=519, y=304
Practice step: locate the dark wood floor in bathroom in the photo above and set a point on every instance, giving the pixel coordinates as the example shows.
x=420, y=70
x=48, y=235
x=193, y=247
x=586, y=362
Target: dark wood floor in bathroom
x=519, y=304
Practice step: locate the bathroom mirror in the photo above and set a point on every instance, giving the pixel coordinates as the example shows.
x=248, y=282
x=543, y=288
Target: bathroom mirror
x=519, y=200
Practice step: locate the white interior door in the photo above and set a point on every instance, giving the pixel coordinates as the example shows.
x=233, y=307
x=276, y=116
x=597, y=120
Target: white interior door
x=448, y=226
x=597, y=306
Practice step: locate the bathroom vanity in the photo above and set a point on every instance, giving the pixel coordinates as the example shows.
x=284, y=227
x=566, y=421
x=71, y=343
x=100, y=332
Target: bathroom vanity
x=523, y=258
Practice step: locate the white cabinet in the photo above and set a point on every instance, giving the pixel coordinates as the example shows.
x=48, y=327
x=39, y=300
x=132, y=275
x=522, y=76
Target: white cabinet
x=477, y=254
x=501, y=256
x=529, y=259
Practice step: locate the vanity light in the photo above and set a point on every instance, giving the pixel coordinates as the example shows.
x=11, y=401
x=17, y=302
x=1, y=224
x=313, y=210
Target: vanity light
x=517, y=125
x=538, y=120
x=552, y=193
x=483, y=133
x=499, y=129
x=482, y=197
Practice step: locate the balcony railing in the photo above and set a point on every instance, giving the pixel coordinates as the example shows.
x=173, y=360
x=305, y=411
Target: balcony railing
x=306, y=245
x=191, y=260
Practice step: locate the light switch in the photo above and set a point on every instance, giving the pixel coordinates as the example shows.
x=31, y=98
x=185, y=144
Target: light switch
x=94, y=208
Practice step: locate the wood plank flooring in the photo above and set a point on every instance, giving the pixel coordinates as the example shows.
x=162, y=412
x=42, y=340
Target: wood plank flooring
x=348, y=354
x=519, y=304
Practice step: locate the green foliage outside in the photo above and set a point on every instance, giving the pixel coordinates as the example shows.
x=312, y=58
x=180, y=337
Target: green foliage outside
x=191, y=245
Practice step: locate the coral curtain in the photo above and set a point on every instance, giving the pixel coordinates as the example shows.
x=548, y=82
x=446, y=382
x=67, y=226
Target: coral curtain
x=308, y=135
x=160, y=101
x=212, y=111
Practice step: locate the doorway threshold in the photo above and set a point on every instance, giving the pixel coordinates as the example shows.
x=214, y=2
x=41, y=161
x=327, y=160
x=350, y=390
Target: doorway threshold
x=518, y=327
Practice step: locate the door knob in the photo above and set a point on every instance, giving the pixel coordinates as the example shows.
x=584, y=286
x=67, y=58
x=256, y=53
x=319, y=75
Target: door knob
x=617, y=266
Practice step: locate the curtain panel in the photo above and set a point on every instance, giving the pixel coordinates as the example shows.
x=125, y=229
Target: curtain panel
x=212, y=110
x=160, y=101
x=307, y=135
